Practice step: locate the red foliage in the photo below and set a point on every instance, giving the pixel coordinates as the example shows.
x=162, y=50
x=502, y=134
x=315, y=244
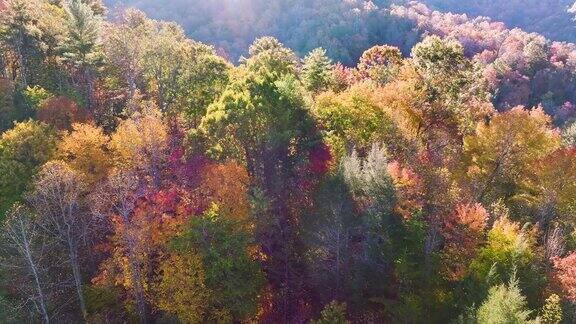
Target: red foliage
x=565, y=274
x=343, y=77
x=187, y=170
x=319, y=159
x=409, y=189
x=463, y=232
x=61, y=112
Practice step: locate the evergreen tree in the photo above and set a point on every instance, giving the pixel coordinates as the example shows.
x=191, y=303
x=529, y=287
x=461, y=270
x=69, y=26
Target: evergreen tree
x=316, y=72
x=505, y=304
x=81, y=49
x=552, y=310
x=333, y=313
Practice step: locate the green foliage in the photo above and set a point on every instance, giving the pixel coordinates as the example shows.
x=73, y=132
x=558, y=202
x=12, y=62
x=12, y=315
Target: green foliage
x=261, y=115
x=505, y=304
x=552, y=310
x=35, y=95
x=23, y=150
x=316, y=74
x=233, y=278
x=509, y=248
x=445, y=71
x=333, y=313
x=81, y=47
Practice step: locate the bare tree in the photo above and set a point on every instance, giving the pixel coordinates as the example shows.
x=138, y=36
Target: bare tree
x=22, y=245
x=119, y=197
x=57, y=199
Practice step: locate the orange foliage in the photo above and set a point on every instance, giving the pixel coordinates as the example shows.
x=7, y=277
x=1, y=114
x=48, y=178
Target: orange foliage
x=409, y=189
x=227, y=186
x=463, y=232
x=61, y=113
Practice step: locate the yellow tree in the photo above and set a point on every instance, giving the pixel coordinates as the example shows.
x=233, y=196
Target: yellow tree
x=141, y=142
x=503, y=152
x=181, y=290
x=227, y=186
x=86, y=150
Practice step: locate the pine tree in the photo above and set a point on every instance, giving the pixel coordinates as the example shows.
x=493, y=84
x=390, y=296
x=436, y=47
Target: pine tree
x=316, y=70
x=82, y=47
x=333, y=313
x=504, y=304
x=552, y=310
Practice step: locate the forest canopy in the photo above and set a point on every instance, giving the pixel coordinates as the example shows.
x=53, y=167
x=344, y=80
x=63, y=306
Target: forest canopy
x=318, y=162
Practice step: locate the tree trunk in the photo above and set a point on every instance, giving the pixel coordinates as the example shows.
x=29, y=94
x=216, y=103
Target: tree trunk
x=77, y=280
x=34, y=271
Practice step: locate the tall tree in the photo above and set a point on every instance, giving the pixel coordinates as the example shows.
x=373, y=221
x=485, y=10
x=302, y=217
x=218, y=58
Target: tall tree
x=316, y=70
x=22, y=246
x=81, y=49
x=505, y=304
x=57, y=199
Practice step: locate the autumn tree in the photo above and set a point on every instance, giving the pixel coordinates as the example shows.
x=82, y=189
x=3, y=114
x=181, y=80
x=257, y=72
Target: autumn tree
x=354, y=119
x=60, y=112
x=565, y=268
x=23, y=150
x=140, y=143
x=380, y=63
x=463, y=234
x=85, y=149
x=503, y=152
x=118, y=200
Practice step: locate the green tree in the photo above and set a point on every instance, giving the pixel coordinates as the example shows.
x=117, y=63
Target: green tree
x=505, y=304
x=82, y=46
x=23, y=150
x=21, y=36
x=333, y=313
x=231, y=275
x=316, y=71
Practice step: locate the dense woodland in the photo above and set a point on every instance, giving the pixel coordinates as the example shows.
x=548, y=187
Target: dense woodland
x=372, y=164
x=551, y=18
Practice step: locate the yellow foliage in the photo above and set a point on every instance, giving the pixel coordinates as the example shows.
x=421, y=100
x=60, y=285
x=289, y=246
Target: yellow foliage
x=85, y=149
x=227, y=186
x=141, y=142
x=181, y=290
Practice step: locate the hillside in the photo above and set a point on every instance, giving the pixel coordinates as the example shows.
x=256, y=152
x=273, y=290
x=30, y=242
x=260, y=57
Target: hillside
x=366, y=163
x=551, y=18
